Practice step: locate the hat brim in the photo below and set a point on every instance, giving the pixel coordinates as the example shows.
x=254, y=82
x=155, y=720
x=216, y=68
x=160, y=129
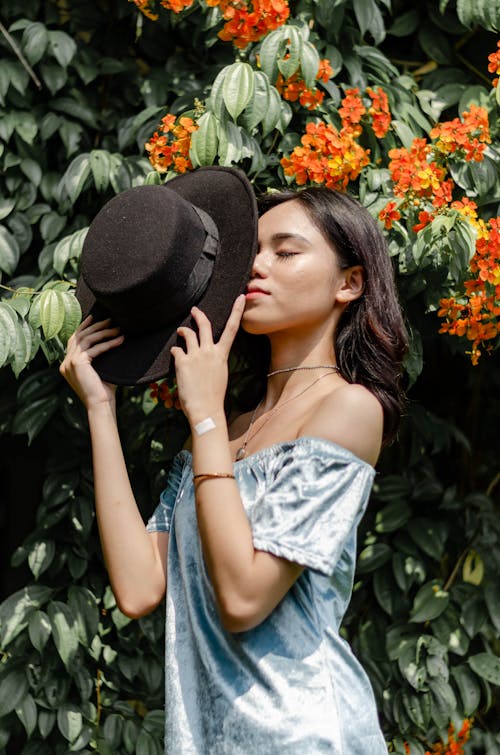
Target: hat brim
x=227, y=196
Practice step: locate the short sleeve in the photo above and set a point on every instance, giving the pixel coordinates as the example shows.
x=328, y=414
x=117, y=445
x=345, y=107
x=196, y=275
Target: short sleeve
x=315, y=494
x=162, y=515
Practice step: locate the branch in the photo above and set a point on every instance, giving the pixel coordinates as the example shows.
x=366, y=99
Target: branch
x=12, y=42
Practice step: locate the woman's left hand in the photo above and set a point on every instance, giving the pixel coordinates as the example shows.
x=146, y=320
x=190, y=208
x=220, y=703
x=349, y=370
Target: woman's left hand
x=202, y=369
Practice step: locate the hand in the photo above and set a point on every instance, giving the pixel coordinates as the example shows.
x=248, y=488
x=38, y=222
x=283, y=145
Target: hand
x=86, y=343
x=202, y=370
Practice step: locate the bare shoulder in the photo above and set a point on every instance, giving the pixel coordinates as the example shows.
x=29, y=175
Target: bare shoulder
x=352, y=417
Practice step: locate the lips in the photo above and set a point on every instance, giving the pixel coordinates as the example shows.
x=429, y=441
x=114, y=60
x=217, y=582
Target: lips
x=251, y=289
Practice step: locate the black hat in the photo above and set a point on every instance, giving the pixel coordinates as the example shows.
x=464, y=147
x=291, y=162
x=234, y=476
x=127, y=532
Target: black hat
x=153, y=252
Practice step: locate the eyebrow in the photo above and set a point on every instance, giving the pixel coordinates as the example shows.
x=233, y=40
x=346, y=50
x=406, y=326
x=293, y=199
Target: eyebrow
x=287, y=235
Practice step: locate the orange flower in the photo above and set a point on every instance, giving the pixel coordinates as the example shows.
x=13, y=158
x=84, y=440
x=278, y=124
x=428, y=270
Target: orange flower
x=424, y=219
x=455, y=745
x=326, y=156
x=379, y=111
x=147, y=8
x=389, y=214
x=294, y=88
x=168, y=148
x=467, y=137
x=494, y=64
x=250, y=20
x=176, y=5
x=351, y=111
x=415, y=174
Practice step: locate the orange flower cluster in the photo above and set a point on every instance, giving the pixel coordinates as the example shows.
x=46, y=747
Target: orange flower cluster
x=294, y=88
x=168, y=148
x=353, y=110
x=475, y=315
x=389, y=214
x=165, y=393
x=379, y=111
x=176, y=5
x=147, y=8
x=455, y=745
x=250, y=20
x=327, y=156
x=494, y=64
x=417, y=175
x=467, y=137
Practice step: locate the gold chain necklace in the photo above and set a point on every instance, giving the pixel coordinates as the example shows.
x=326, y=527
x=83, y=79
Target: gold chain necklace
x=241, y=452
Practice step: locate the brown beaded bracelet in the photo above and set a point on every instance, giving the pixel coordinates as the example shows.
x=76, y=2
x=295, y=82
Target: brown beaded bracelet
x=213, y=476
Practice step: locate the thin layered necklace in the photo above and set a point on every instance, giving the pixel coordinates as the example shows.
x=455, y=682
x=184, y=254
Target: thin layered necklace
x=241, y=452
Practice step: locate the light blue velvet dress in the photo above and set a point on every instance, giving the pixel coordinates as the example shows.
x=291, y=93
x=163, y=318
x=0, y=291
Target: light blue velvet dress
x=291, y=686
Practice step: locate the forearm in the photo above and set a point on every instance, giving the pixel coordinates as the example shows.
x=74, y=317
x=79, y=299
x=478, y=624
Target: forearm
x=224, y=528
x=136, y=573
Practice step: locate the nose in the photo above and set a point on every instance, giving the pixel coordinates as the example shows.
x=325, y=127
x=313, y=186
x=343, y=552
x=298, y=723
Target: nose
x=259, y=266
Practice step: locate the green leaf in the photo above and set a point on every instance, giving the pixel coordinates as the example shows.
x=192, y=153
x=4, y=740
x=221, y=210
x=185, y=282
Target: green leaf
x=34, y=42
x=31, y=170
x=309, y=64
x=372, y=557
x=9, y=251
x=14, y=689
x=84, y=608
x=487, y=666
x=8, y=332
x=41, y=556
x=258, y=106
x=204, y=141
x=39, y=630
x=449, y=631
x=392, y=517
x=237, y=88
x=27, y=714
x=404, y=133
x=51, y=313
x=473, y=568
x=445, y=702
x=492, y=600
x=271, y=119
x=430, y=601
x=270, y=53
x=69, y=248
x=76, y=175
x=230, y=143
x=62, y=47
x=51, y=226
x=6, y=207
x=405, y=24
x=53, y=76
x=429, y=535
x=291, y=63
x=32, y=419
x=418, y=708
x=434, y=43
x=483, y=12
x=23, y=348
x=216, y=100
x=370, y=19
x=113, y=730
x=468, y=687
x=63, y=631
x=46, y=721
x=72, y=316
x=100, y=165
x=16, y=610
x=69, y=721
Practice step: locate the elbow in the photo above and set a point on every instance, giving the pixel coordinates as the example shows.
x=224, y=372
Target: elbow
x=239, y=615
x=136, y=606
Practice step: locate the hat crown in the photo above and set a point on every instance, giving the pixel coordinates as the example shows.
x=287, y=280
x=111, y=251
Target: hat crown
x=148, y=245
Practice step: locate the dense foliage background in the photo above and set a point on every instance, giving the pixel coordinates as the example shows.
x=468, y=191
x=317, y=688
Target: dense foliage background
x=83, y=87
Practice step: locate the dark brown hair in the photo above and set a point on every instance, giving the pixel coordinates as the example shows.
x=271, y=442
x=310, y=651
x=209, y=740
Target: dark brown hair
x=371, y=338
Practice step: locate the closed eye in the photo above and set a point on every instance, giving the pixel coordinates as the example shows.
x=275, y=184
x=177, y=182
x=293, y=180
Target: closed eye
x=282, y=255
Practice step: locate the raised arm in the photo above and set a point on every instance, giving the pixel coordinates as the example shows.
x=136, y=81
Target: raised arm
x=247, y=583
x=135, y=559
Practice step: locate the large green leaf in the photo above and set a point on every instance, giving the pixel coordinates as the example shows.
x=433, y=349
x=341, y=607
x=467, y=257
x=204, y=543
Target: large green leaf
x=487, y=666
x=17, y=608
x=63, y=631
x=9, y=251
x=51, y=312
x=13, y=689
x=204, y=141
x=237, y=88
x=430, y=601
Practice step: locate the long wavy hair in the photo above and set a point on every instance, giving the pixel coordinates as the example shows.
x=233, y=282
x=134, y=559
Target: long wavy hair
x=371, y=338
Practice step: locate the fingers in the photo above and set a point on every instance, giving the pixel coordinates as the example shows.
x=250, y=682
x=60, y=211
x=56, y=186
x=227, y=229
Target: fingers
x=233, y=323
x=205, y=332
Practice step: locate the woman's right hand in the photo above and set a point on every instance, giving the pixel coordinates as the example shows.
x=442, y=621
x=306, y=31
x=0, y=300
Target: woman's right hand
x=86, y=343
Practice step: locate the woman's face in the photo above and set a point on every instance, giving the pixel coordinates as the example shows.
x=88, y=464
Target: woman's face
x=295, y=278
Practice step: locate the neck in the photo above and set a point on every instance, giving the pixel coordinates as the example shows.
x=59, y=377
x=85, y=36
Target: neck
x=296, y=352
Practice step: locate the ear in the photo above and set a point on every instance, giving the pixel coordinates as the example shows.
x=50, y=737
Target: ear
x=353, y=284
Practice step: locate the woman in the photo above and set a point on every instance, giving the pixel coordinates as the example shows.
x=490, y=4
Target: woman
x=256, y=530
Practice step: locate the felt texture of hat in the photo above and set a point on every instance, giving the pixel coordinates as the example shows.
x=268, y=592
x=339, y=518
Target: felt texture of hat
x=151, y=253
